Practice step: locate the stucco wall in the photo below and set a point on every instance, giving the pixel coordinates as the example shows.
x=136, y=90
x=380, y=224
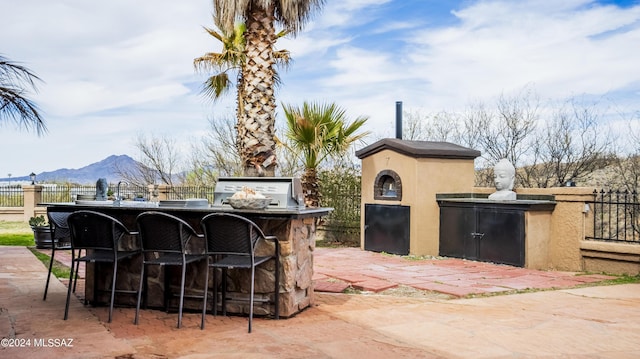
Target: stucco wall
x=13, y=214
x=537, y=239
x=618, y=258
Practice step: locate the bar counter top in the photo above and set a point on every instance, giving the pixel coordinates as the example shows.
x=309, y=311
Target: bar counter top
x=284, y=213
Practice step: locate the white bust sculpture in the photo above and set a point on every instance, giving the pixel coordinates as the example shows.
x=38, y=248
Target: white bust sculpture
x=504, y=175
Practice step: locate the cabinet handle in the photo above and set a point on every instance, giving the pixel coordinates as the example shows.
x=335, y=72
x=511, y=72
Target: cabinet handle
x=477, y=235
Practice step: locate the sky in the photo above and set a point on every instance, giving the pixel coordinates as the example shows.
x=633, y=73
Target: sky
x=115, y=70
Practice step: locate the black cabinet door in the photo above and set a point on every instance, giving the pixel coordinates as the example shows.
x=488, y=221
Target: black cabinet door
x=501, y=236
x=387, y=228
x=456, y=226
x=484, y=234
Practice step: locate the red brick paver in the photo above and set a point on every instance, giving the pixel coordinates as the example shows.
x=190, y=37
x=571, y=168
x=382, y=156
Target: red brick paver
x=376, y=272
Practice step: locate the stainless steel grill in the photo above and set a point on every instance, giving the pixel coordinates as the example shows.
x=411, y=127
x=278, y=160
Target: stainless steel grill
x=284, y=191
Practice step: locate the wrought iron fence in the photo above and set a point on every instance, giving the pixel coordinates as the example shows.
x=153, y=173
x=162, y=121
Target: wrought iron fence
x=11, y=196
x=345, y=200
x=131, y=192
x=64, y=193
x=616, y=216
x=68, y=193
x=52, y=194
x=342, y=193
x=184, y=192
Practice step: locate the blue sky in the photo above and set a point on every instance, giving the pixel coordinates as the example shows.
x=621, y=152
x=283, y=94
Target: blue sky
x=114, y=70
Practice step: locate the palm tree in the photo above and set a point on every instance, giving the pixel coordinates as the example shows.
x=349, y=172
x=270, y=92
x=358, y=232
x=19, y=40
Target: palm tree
x=319, y=131
x=13, y=105
x=231, y=59
x=256, y=125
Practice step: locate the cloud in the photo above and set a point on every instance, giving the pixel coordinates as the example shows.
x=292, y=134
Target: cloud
x=501, y=46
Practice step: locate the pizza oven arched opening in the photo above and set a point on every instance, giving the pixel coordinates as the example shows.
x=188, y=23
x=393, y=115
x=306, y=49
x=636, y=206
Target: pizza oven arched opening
x=388, y=186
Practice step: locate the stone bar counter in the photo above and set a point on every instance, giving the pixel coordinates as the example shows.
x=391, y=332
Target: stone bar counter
x=295, y=229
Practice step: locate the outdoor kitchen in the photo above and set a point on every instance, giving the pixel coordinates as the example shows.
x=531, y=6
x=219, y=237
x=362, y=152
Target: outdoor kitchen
x=283, y=216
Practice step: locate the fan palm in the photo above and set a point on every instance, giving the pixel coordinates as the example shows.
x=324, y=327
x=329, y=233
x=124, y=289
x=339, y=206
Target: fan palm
x=256, y=124
x=319, y=131
x=13, y=105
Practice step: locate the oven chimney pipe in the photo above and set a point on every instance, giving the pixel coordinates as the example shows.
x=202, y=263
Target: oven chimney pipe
x=399, y=120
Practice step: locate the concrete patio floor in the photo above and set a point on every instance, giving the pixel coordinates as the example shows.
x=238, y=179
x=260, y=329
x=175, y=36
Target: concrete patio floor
x=590, y=322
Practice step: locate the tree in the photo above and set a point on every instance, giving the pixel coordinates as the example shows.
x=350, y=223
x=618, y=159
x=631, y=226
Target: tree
x=505, y=132
x=508, y=132
x=256, y=125
x=627, y=161
x=319, y=131
x=158, y=163
x=415, y=127
x=230, y=60
x=211, y=158
x=569, y=147
x=13, y=104
x=442, y=126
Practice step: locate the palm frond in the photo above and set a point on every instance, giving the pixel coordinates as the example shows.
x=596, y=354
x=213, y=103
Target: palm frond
x=217, y=85
x=13, y=103
x=321, y=130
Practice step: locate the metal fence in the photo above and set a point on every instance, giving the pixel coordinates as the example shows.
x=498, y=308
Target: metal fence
x=343, y=195
x=184, y=192
x=616, y=216
x=11, y=196
x=68, y=193
x=345, y=200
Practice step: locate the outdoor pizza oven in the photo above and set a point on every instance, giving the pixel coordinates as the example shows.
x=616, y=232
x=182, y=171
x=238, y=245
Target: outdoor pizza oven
x=284, y=191
x=387, y=225
x=400, y=180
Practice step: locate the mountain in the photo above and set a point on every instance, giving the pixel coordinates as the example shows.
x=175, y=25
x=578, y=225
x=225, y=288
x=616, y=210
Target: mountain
x=88, y=174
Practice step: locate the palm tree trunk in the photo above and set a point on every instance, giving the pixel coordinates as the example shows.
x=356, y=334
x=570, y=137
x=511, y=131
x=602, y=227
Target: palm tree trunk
x=239, y=111
x=256, y=126
x=310, y=187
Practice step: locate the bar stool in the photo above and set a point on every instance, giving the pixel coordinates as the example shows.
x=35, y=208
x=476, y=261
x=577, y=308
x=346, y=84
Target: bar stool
x=231, y=243
x=163, y=240
x=99, y=236
x=60, y=240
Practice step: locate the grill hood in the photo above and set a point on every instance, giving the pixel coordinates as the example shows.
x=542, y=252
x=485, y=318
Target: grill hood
x=283, y=191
